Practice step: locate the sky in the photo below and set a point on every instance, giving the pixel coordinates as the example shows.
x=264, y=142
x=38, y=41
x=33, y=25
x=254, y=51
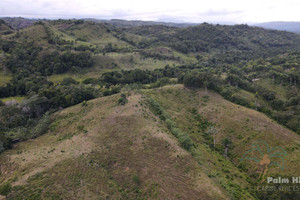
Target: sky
x=194, y=11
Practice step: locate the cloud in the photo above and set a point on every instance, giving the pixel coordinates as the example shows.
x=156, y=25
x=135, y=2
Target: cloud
x=185, y=11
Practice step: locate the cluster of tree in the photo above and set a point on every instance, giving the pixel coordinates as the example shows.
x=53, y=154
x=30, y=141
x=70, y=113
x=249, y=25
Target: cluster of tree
x=227, y=44
x=47, y=63
x=129, y=77
x=284, y=110
x=23, y=84
x=282, y=71
x=201, y=79
x=30, y=119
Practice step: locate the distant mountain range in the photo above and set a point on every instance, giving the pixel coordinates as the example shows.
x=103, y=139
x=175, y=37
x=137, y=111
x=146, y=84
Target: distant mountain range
x=19, y=23
x=282, y=26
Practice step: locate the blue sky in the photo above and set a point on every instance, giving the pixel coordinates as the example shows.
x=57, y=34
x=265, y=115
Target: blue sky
x=214, y=11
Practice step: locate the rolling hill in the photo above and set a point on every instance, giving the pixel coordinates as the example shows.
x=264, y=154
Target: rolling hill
x=140, y=110
x=112, y=151
x=282, y=26
x=124, y=152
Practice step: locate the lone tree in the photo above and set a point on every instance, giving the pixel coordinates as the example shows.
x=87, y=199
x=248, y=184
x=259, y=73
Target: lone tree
x=212, y=131
x=226, y=142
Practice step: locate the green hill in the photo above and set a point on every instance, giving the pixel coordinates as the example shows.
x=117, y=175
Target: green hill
x=93, y=110
x=4, y=28
x=112, y=151
x=107, y=151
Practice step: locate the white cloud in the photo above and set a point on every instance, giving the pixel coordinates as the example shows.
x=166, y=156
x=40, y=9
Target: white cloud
x=240, y=11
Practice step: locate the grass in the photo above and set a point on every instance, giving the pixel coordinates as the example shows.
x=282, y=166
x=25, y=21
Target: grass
x=173, y=99
x=113, y=62
x=35, y=33
x=57, y=78
x=4, y=78
x=19, y=99
x=279, y=89
x=95, y=34
x=242, y=125
x=125, y=152
x=121, y=154
x=135, y=61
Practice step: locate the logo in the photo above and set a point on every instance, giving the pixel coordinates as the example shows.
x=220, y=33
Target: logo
x=265, y=157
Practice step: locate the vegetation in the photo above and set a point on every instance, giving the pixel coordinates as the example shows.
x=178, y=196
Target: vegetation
x=184, y=139
x=174, y=126
x=123, y=100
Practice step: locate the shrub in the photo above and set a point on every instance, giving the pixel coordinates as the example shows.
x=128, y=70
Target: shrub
x=84, y=104
x=136, y=179
x=1, y=146
x=185, y=141
x=42, y=126
x=5, y=143
x=5, y=188
x=68, y=81
x=123, y=100
x=164, y=115
x=170, y=124
x=90, y=81
x=176, y=131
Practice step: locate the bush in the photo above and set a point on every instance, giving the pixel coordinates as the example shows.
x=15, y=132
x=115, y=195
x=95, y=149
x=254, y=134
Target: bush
x=277, y=104
x=42, y=126
x=236, y=98
x=136, y=179
x=5, y=143
x=267, y=94
x=68, y=81
x=5, y=188
x=170, y=124
x=185, y=141
x=164, y=115
x=1, y=146
x=176, y=132
x=90, y=81
x=123, y=100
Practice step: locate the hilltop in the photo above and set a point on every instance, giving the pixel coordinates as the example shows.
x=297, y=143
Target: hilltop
x=107, y=151
x=134, y=152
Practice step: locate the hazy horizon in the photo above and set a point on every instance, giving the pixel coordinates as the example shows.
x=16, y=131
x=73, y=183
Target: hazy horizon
x=214, y=11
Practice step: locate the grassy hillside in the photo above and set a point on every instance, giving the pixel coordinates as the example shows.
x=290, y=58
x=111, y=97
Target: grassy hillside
x=4, y=28
x=70, y=134
x=113, y=151
x=107, y=151
x=18, y=22
x=240, y=125
x=225, y=44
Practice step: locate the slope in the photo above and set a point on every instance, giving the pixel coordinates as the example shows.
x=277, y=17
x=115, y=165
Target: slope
x=106, y=151
x=4, y=28
x=240, y=125
x=221, y=43
x=19, y=22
